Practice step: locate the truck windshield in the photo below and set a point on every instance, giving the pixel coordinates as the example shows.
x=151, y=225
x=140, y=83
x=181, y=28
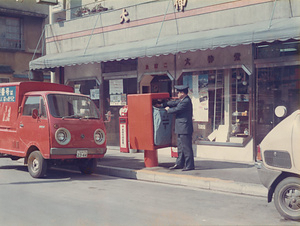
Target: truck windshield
x=72, y=106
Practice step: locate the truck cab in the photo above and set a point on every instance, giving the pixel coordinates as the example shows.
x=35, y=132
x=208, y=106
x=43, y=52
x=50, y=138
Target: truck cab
x=47, y=124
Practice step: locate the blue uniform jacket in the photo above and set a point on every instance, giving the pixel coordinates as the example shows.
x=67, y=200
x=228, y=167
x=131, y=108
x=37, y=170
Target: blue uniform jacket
x=183, y=109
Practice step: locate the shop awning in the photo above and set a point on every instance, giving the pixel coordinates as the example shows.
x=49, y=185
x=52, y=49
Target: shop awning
x=266, y=31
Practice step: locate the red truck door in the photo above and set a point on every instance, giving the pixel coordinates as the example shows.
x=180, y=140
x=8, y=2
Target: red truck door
x=34, y=129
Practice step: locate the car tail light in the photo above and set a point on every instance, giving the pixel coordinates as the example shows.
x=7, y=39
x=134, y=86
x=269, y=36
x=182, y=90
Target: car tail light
x=258, y=154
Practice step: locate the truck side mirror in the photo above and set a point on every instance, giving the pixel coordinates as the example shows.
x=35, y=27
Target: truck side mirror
x=35, y=113
x=108, y=116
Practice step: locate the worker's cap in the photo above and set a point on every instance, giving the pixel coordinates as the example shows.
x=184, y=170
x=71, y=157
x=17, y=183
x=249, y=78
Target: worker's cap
x=181, y=87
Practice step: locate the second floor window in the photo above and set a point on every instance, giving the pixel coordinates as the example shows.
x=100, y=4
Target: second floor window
x=10, y=33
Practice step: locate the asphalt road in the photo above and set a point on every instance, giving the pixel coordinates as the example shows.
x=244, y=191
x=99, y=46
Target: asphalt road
x=70, y=198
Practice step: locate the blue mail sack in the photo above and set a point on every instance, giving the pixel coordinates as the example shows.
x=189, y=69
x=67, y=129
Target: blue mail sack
x=162, y=123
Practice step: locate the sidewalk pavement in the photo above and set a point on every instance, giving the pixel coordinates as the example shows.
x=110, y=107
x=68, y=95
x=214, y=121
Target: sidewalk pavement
x=212, y=175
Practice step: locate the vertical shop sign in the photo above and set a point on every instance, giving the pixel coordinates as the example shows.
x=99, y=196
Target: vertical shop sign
x=123, y=136
x=198, y=92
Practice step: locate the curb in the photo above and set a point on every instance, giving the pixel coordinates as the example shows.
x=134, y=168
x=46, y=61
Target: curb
x=213, y=184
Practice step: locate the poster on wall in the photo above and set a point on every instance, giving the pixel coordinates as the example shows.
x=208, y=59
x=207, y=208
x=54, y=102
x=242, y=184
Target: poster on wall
x=94, y=94
x=118, y=99
x=198, y=92
x=116, y=86
x=77, y=88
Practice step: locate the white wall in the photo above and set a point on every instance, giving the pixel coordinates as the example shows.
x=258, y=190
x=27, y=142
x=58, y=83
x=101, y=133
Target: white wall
x=146, y=21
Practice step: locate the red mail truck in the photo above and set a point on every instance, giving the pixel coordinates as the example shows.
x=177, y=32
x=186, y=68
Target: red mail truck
x=46, y=124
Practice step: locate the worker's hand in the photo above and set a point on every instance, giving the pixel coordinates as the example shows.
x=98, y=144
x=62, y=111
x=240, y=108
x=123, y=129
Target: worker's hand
x=167, y=108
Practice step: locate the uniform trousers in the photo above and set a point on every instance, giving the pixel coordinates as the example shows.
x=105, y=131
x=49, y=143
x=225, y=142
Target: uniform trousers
x=185, y=151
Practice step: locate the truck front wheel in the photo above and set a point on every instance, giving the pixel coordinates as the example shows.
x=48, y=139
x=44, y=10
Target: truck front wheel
x=287, y=198
x=37, y=165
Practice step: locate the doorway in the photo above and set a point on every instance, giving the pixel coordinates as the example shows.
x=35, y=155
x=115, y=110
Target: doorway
x=156, y=84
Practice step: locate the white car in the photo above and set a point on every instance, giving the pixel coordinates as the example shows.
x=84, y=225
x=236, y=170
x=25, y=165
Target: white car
x=279, y=164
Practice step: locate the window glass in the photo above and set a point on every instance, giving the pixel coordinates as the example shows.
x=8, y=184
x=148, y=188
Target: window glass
x=275, y=86
x=42, y=110
x=206, y=90
x=122, y=65
x=277, y=49
x=4, y=80
x=72, y=106
x=32, y=102
x=89, y=88
x=220, y=105
x=10, y=33
x=240, y=105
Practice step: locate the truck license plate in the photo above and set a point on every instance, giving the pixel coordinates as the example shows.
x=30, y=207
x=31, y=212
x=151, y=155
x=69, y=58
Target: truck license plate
x=82, y=153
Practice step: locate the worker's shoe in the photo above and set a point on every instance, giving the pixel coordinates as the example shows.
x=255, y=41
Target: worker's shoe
x=175, y=167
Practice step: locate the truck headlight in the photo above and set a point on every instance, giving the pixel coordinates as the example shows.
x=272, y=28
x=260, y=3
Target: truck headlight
x=62, y=136
x=99, y=136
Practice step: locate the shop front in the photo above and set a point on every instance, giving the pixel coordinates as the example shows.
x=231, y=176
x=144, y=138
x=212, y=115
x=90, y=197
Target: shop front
x=221, y=88
x=277, y=83
x=222, y=54
x=119, y=80
x=234, y=91
x=156, y=74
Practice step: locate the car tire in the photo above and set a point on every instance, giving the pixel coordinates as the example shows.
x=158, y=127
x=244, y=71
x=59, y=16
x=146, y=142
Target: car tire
x=37, y=165
x=287, y=198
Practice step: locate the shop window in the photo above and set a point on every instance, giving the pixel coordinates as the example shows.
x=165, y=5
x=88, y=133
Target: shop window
x=118, y=66
x=277, y=49
x=206, y=90
x=87, y=87
x=161, y=84
x=240, y=105
x=4, y=80
x=220, y=105
x=10, y=33
x=275, y=86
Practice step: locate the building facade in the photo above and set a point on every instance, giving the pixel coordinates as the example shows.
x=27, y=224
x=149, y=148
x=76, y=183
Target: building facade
x=239, y=58
x=21, y=28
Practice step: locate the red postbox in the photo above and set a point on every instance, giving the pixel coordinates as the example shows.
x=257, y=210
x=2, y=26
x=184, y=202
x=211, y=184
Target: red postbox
x=141, y=127
x=123, y=123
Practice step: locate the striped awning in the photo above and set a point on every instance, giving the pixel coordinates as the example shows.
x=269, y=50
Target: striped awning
x=266, y=31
